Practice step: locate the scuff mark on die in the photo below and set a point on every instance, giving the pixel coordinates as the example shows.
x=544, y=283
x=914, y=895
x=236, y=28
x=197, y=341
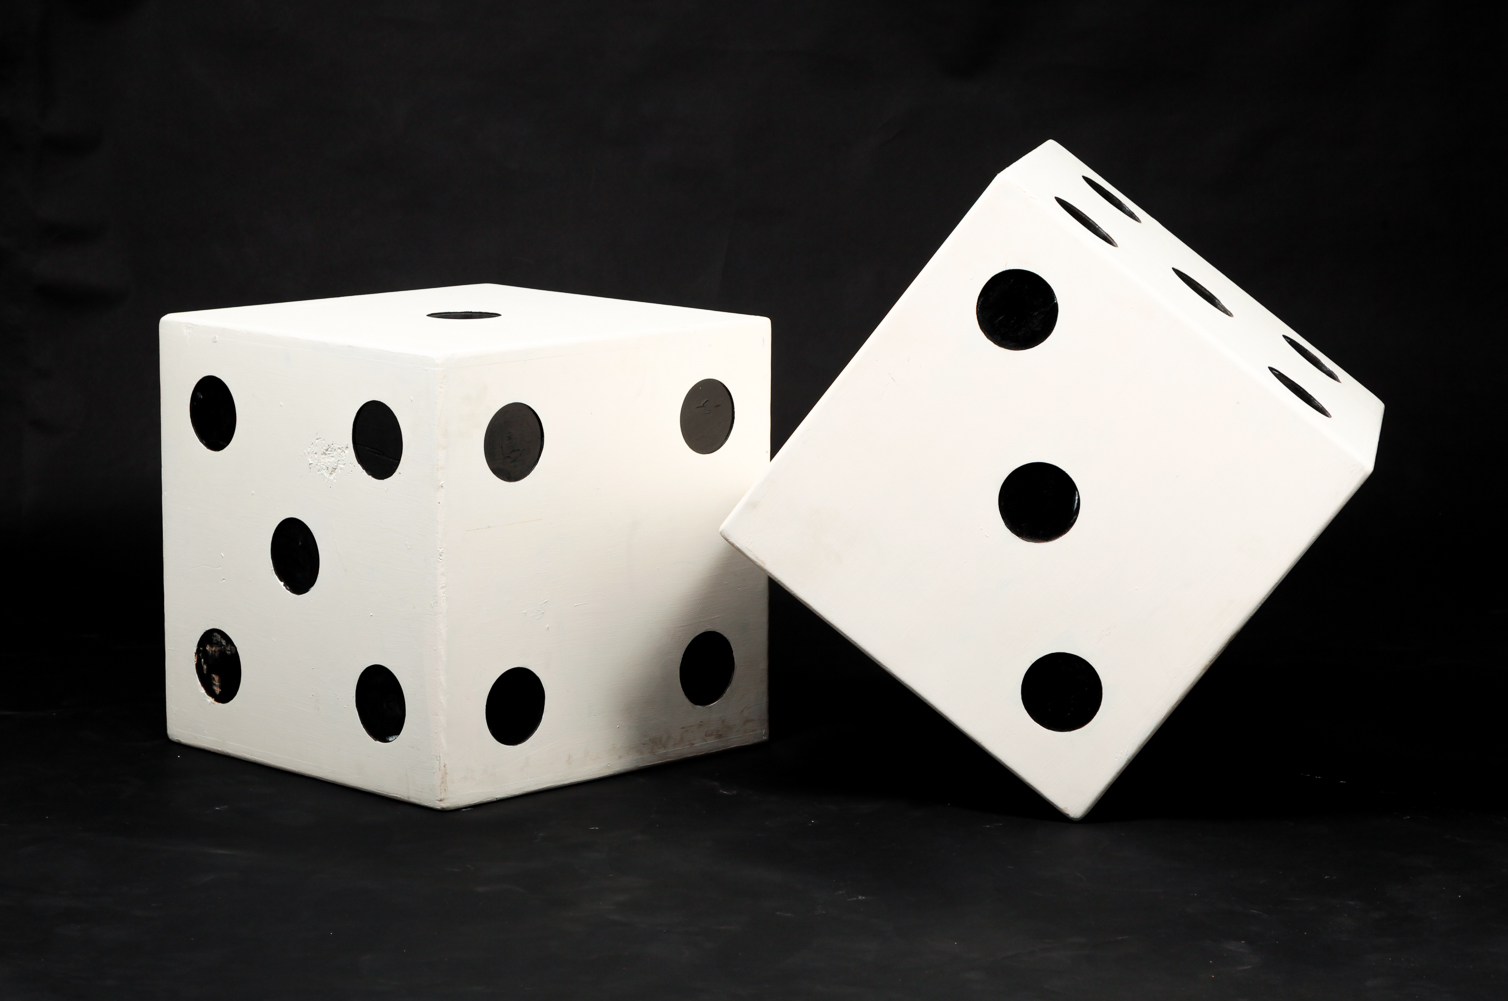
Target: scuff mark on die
x=327, y=458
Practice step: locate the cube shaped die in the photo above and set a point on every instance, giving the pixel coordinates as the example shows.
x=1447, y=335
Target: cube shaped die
x=455, y=544
x=1063, y=471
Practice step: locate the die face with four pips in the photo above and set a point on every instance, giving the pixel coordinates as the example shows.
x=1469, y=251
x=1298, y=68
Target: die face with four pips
x=455, y=544
x=1063, y=471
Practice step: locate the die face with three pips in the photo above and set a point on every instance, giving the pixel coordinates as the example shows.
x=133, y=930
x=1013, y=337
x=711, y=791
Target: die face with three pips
x=456, y=544
x=1063, y=471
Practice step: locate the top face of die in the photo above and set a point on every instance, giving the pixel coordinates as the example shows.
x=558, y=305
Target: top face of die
x=463, y=321
x=1113, y=228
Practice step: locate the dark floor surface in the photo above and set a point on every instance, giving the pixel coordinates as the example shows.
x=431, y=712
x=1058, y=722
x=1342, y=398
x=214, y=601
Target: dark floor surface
x=1299, y=828
x=135, y=867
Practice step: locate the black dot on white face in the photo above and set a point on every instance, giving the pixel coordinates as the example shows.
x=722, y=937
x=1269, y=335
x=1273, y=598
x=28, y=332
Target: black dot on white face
x=295, y=555
x=707, y=416
x=212, y=412
x=1311, y=357
x=1111, y=197
x=1087, y=222
x=218, y=665
x=464, y=314
x=515, y=705
x=1299, y=391
x=707, y=668
x=379, y=703
x=1203, y=292
x=514, y=441
x=377, y=439
x=1039, y=502
x=1017, y=309
x=1061, y=692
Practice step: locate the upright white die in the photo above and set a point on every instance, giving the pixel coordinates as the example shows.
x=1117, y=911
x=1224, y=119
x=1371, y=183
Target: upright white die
x=462, y=543
x=1063, y=471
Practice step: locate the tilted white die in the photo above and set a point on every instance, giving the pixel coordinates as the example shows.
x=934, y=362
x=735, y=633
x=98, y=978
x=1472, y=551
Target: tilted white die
x=1066, y=467
x=462, y=543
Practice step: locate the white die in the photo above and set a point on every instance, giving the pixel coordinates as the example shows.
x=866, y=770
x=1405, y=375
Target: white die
x=592, y=563
x=1197, y=472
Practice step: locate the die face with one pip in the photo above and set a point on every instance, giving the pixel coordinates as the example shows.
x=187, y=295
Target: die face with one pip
x=1063, y=471
x=456, y=544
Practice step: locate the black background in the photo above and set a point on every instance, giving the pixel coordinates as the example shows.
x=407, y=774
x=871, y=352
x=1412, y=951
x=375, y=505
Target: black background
x=1342, y=162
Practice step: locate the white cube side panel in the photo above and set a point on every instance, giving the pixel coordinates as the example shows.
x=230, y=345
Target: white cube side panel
x=374, y=601
x=597, y=569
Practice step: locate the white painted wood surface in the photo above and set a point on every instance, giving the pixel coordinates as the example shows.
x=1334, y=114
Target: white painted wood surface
x=1202, y=478
x=594, y=571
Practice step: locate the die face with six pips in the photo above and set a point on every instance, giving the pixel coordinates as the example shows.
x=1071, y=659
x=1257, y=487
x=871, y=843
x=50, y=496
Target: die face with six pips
x=456, y=544
x=1063, y=471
